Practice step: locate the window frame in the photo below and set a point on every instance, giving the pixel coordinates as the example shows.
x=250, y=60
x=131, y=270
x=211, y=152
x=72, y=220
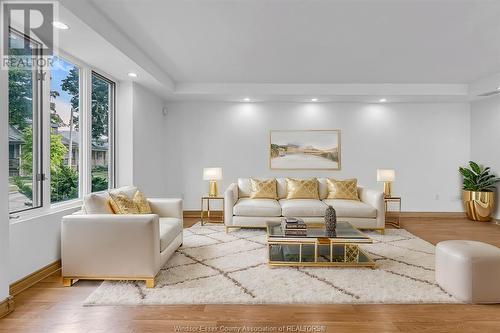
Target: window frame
x=111, y=130
x=85, y=104
x=47, y=124
x=37, y=117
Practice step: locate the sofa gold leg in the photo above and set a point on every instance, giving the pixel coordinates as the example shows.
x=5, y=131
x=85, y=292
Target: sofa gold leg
x=381, y=231
x=67, y=282
x=150, y=283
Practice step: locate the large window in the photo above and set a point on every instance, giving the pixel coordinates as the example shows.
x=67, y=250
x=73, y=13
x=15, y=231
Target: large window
x=59, y=129
x=102, y=120
x=64, y=130
x=25, y=167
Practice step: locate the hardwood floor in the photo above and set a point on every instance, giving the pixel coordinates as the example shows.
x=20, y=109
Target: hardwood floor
x=50, y=307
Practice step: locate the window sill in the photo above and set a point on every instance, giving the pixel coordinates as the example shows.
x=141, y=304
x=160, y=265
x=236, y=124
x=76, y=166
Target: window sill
x=40, y=212
x=66, y=205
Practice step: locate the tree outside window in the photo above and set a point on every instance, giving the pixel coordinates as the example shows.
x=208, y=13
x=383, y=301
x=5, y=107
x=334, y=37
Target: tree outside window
x=101, y=102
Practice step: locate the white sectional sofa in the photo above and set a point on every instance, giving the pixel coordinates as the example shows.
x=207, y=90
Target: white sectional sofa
x=242, y=212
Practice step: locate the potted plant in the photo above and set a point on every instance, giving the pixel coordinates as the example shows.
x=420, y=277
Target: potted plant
x=478, y=194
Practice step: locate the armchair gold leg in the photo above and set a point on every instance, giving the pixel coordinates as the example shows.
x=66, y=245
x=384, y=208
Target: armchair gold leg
x=150, y=283
x=381, y=231
x=67, y=282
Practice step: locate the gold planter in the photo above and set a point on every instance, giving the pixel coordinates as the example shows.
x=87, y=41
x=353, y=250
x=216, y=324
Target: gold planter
x=478, y=205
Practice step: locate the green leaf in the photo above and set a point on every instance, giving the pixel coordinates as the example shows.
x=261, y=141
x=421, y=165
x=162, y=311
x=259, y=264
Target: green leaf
x=486, y=177
x=469, y=185
x=468, y=181
x=478, y=179
x=475, y=167
x=466, y=172
x=482, y=187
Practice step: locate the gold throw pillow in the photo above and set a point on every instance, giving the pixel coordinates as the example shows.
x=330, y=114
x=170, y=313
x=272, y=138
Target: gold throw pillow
x=121, y=204
x=342, y=189
x=142, y=203
x=302, y=188
x=263, y=189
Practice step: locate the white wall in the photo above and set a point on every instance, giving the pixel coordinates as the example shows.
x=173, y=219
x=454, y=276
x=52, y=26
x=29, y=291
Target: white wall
x=485, y=134
x=124, y=133
x=35, y=243
x=150, y=143
x=424, y=142
x=141, y=139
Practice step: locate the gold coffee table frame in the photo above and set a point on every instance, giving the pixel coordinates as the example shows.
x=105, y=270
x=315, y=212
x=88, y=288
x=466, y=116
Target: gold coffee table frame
x=351, y=251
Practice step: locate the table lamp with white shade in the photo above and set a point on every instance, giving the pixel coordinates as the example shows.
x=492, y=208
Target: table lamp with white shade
x=212, y=175
x=387, y=176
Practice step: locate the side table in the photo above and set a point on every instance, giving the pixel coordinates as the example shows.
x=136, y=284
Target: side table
x=395, y=223
x=206, y=218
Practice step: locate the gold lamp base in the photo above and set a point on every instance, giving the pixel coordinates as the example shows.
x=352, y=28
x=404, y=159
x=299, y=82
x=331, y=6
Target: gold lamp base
x=387, y=189
x=212, y=189
x=478, y=205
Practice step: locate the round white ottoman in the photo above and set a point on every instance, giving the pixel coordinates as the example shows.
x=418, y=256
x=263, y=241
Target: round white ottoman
x=469, y=270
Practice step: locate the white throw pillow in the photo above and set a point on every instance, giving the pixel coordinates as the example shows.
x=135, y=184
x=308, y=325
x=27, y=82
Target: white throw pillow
x=281, y=187
x=128, y=190
x=244, y=187
x=97, y=203
x=323, y=188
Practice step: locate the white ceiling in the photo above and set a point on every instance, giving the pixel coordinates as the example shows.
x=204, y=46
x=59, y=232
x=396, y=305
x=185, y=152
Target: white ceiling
x=294, y=50
x=314, y=41
x=80, y=42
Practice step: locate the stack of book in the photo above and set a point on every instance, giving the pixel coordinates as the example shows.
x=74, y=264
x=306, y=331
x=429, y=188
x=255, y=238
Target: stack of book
x=294, y=227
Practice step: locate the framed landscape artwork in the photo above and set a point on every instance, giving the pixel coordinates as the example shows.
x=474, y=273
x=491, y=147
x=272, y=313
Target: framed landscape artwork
x=305, y=149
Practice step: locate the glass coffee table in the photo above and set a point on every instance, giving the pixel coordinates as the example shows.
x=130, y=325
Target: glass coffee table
x=318, y=248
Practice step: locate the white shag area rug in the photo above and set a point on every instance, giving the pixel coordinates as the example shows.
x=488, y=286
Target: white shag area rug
x=213, y=267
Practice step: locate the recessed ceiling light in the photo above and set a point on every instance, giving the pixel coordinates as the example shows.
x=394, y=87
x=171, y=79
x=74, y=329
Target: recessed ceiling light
x=314, y=99
x=132, y=74
x=498, y=88
x=246, y=99
x=60, y=25
x=382, y=100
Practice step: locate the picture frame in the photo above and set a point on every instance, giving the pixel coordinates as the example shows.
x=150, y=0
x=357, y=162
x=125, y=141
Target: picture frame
x=305, y=149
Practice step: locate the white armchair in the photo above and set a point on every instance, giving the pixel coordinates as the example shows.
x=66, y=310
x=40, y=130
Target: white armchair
x=120, y=247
